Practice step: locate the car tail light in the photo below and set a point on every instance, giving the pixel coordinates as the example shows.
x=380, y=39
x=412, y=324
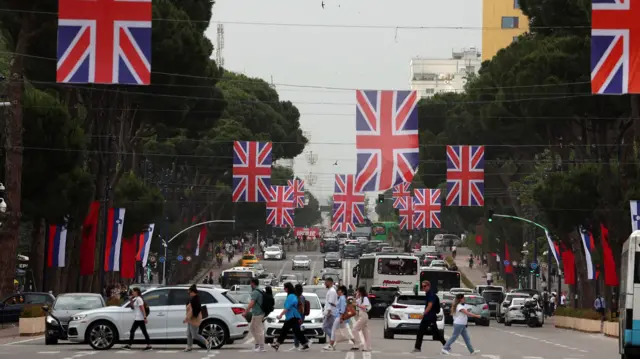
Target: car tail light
x=485, y=307
x=398, y=306
x=237, y=311
x=394, y=316
x=372, y=295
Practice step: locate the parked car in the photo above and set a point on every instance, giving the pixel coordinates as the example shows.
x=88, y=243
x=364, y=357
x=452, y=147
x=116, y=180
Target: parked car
x=13, y=305
x=301, y=261
x=381, y=297
x=332, y=260
x=104, y=327
x=268, y=279
x=273, y=252
x=493, y=298
x=515, y=314
x=506, y=303
x=64, y=307
x=404, y=315
x=446, y=301
x=312, y=326
x=477, y=305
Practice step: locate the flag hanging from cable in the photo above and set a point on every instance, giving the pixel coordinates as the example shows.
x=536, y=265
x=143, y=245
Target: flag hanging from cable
x=508, y=267
x=128, y=257
x=610, y=270
x=144, y=244
x=568, y=265
x=115, y=223
x=635, y=215
x=202, y=239
x=88, y=245
x=57, y=245
x=552, y=247
x=589, y=246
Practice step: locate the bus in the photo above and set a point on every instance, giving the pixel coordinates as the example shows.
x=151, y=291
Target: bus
x=236, y=276
x=629, y=321
x=386, y=270
x=440, y=279
x=383, y=231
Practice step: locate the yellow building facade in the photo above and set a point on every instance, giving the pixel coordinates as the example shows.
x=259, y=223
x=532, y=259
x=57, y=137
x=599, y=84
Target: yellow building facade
x=502, y=22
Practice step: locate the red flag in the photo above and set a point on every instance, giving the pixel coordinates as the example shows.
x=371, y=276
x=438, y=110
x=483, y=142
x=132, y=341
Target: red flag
x=88, y=244
x=508, y=268
x=128, y=257
x=140, y=239
x=478, y=239
x=610, y=274
x=202, y=239
x=569, y=265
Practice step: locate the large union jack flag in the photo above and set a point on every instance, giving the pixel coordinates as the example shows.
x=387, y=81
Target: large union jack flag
x=407, y=215
x=465, y=176
x=386, y=139
x=251, y=171
x=400, y=193
x=427, y=208
x=348, y=205
x=615, y=46
x=298, y=191
x=280, y=206
x=104, y=41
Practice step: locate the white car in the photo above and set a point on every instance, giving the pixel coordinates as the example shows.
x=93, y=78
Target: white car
x=438, y=263
x=312, y=326
x=461, y=290
x=102, y=328
x=273, y=252
x=506, y=303
x=514, y=313
x=258, y=268
x=404, y=315
x=301, y=262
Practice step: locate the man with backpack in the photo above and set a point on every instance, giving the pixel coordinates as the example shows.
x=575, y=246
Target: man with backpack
x=260, y=306
x=304, y=307
x=431, y=310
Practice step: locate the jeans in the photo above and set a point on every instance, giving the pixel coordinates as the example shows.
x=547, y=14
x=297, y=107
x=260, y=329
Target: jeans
x=459, y=329
x=425, y=324
x=192, y=333
x=327, y=325
x=296, y=342
x=143, y=328
x=292, y=324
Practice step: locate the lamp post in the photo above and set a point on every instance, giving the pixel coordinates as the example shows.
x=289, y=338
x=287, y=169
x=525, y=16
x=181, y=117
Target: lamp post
x=165, y=244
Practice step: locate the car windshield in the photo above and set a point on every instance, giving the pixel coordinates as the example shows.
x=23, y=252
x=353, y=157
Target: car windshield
x=257, y=266
x=301, y=258
x=518, y=301
x=273, y=249
x=314, y=302
x=334, y=276
x=265, y=276
x=286, y=277
x=321, y=292
x=492, y=296
x=350, y=247
x=474, y=300
x=249, y=257
x=77, y=302
x=412, y=299
x=446, y=296
x=333, y=255
x=438, y=263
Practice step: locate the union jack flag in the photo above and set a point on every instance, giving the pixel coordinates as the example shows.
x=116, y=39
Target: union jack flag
x=251, y=171
x=298, y=191
x=104, y=41
x=465, y=176
x=407, y=215
x=427, y=208
x=348, y=205
x=386, y=139
x=400, y=193
x=615, y=50
x=280, y=206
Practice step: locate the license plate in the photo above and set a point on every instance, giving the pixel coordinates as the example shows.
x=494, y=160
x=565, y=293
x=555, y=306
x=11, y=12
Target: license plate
x=415, y=316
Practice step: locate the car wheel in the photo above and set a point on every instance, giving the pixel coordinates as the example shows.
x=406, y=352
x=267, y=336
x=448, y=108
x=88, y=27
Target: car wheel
x=486, y=323
x=101, y=335
x=500, y=319
x=507, y=324
x=50, y=340
x=388, y=334
x=322, y=340
x=215, y=331
x=268, y=340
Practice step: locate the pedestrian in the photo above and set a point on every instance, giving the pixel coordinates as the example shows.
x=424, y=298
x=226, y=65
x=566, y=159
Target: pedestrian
x=340, y=320
x=363, y=306
x=256, y=327
x=552, y=304
x=301, y=299
x=489, y=278
x=206, y=280
x=140, y=311
x=563, y=299
x=331, y=301
x=431, y=310
x=211, y=280
x=460, y=318
x=600, y=307
x=193, y=319
x=292, y=319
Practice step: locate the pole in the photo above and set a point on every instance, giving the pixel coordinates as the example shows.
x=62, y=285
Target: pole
x=164, y=264
x=549, y=257
x=534, y=279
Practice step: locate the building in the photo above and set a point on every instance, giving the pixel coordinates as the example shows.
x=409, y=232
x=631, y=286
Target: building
x=432, y=76
x=502, y=23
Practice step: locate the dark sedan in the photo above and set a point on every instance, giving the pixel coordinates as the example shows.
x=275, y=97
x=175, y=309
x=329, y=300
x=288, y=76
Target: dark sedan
x=380, y=298
x=65, y=307
x=351, y=251
x=446, y=301
x=333, y=260
x=13, y=305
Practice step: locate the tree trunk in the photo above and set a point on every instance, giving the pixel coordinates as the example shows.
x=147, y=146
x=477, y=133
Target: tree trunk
x=37, y=256
x=9, y=235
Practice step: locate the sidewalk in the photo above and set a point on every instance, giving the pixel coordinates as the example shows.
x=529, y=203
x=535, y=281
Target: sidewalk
x=476, y=275
x=9, y=331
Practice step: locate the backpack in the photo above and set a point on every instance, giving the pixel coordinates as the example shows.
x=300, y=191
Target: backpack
x=435, y=308
x=267, y=302
x=306, y=306
x=147, y=310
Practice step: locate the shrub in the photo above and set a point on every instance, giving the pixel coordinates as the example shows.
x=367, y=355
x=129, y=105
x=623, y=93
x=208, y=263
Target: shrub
x=583, y=313
x=32, y=311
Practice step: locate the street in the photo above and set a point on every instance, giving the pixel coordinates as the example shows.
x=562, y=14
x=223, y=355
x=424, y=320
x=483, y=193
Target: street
x=494, y=342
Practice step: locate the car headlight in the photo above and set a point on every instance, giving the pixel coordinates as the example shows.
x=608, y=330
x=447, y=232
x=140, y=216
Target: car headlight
x=271, y=320
x=439, y=317
x=313, y=321
x=51, y=321
x=76, y=318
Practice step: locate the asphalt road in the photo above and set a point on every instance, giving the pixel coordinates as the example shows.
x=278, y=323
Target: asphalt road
x=494, y=342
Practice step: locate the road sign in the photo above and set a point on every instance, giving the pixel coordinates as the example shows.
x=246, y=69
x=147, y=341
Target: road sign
x=506, y=262
x=180, y=258
x=161, y=259
x=534, y=265
x=152, y=259
x=188, y=258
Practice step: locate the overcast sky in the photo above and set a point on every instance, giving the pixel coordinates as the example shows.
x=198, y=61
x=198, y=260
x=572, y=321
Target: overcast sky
x=362, y=58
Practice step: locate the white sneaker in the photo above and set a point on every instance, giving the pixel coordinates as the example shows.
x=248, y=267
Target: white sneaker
x=329, y=347
x=445, y=352
x=475, y=352
x=292, y=349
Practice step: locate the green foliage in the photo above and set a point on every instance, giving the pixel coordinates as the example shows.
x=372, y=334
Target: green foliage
x=143, y=203
x=385, y=210
x=582, y=313
x=310, y=214
x=32, y=311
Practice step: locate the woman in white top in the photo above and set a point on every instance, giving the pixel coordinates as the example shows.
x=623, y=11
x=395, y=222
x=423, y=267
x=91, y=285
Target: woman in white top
x=363, y=306
x=460, y=314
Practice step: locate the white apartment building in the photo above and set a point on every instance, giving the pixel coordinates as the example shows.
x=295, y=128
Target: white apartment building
x=432, y=76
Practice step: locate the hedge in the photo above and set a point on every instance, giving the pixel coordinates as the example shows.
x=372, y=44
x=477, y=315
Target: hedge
x=463, y=278
x=32, y=311
x=582, y=313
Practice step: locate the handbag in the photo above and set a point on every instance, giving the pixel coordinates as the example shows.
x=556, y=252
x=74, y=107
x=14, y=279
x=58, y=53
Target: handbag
x=349, y=313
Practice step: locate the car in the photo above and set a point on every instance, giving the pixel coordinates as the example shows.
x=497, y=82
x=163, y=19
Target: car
x=380, y=298
x=312, y=326
x=332, y=260
x=301, y=261
x=60, y=313
x=481, y=288
x=404, y=315
x=514, y=313
x=290, y=277
x=351, y=251
x=493, y=298
x=446, y=301
x=248, y=260
x=438, y=263
x=319, y=290
x=504, y=306
x=529, y=292
x=426, y=260
x=388, y=250
x=104, y=327
x=461, y=290
x=330, y=245
x=13, y=305
x=240, y=288
x=258, y=268
x=273, y=252
x=477, y=305
x=268, y=279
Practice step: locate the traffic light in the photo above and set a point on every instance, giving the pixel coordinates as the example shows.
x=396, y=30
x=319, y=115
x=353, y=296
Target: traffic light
x=381, y=198
x=490, y=216
x=537, y=271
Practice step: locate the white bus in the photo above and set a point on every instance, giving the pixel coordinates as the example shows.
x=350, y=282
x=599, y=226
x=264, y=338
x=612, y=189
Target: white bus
x=629, y=302
x=387, y=270
x=236, y=276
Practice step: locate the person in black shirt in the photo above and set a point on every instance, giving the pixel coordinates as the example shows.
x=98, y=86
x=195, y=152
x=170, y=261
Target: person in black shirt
x=432, y=307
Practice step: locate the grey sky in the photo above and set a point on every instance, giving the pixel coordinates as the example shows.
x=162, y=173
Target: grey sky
x=338, y=57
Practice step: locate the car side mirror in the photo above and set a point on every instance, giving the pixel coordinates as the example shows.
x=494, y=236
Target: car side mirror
x=506, y=305
x=45, y=308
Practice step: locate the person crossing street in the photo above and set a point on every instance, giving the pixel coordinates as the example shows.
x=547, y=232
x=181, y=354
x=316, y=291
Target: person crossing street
x=432, y=307
x=256, y=327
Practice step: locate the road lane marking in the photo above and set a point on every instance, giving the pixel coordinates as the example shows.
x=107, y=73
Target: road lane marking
x=366, y=355
x=525, y=357
x=124, y=352
x=167, y=351
x=24, y=341
x=350, y=355
x=490, y=356
x=49, y=352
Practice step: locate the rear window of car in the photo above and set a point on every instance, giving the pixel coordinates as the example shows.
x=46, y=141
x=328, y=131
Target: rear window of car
x=384, y=291
x=492, y=296
x=412, y=299
x=475, y=300
x=350, y=246
x=249, y=257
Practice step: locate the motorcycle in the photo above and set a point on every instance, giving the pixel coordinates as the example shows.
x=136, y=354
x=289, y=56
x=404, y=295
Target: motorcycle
x=530, y=311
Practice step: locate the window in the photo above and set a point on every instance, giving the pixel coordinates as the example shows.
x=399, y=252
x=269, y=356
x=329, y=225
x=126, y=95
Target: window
x=412, y=299
x=397, y=266
x=516, y=4
x=515, y=38
x=510, y=22
x=249, y=257
x=475, y=300
x=179, y=297
x=429, y=91
x=366, y=267
x=471, y=69
x=157, y=297
x=38, y=299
